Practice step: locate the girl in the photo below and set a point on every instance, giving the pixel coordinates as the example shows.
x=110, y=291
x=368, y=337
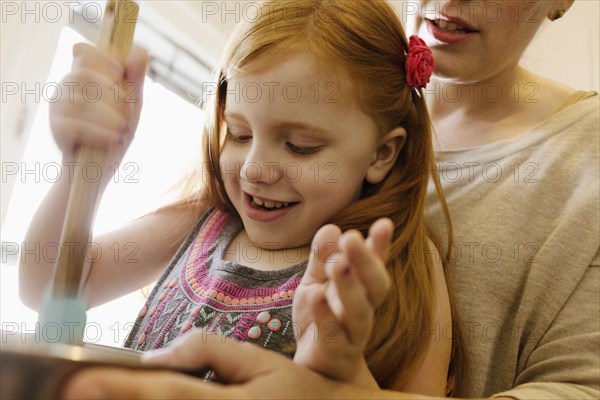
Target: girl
x=532, y=317
x=313, y=123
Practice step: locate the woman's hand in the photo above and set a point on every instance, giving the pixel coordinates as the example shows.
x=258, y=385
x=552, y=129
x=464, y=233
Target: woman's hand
x=100, y=102
x=334, y=305
x=252, y=372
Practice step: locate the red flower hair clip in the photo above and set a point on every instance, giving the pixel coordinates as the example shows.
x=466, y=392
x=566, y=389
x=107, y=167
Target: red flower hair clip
x=419, y=63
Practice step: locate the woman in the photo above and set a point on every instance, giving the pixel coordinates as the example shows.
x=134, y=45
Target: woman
x=518, y=161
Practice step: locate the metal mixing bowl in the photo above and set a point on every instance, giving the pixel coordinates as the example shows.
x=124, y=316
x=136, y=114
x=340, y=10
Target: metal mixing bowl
x=31, y=369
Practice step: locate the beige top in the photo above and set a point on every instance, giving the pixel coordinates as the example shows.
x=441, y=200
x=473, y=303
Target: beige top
x=526, y=266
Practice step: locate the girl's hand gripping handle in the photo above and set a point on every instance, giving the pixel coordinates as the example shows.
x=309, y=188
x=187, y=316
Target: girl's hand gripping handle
x=90, y=144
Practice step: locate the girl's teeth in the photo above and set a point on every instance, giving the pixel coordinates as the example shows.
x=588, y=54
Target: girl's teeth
x=268, y=203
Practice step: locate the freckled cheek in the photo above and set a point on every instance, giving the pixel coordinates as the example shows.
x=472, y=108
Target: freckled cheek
x=230, y=164
x=319, y=174
x=339, y=179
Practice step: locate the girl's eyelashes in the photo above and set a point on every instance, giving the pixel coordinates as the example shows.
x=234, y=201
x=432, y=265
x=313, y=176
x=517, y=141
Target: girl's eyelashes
x=303, y=150
x=237, y=138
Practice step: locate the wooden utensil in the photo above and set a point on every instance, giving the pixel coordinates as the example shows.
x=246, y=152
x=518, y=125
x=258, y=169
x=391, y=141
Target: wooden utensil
x=61, y=310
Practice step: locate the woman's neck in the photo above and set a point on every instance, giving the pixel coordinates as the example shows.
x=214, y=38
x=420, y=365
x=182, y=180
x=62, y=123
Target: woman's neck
x=502, y=107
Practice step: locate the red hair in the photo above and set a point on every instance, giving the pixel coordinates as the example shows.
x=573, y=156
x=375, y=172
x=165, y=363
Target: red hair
x=364, y=41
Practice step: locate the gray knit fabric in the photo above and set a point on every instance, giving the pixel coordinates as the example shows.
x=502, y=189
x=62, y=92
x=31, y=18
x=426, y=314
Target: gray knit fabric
x=525, y=272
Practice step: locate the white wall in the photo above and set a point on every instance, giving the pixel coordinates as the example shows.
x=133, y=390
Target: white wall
x=28, y=45
x=567, y=50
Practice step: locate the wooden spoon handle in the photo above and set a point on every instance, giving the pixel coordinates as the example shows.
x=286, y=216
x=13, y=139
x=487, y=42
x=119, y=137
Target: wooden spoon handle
x=116, y=37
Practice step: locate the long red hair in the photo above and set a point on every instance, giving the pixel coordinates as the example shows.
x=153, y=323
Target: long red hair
x=365, y=41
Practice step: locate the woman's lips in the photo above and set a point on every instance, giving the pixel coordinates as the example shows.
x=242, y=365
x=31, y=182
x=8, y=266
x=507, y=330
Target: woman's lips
x=450, y=31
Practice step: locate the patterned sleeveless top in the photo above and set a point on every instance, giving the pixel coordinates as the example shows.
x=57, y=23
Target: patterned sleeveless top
x=200, y=288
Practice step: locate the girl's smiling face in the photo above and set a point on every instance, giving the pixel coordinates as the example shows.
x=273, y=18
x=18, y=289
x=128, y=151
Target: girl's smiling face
x=297, y=150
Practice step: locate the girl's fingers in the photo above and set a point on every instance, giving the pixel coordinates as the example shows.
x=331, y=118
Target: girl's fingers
x=101, y=126
x=89, y=57
x=349, y=303
x=101, y=114
x=305, y=299
x=135, y=68
x=135, y=74
x=380, y=237
x=89, y=87
x=83, y=132
x=324, y=245
x=125, y=82
x=369, y=267
x=323, y=316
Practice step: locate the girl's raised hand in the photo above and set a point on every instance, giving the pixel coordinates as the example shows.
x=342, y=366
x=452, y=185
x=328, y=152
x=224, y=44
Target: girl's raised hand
x=334, y=305
x=100, y=102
